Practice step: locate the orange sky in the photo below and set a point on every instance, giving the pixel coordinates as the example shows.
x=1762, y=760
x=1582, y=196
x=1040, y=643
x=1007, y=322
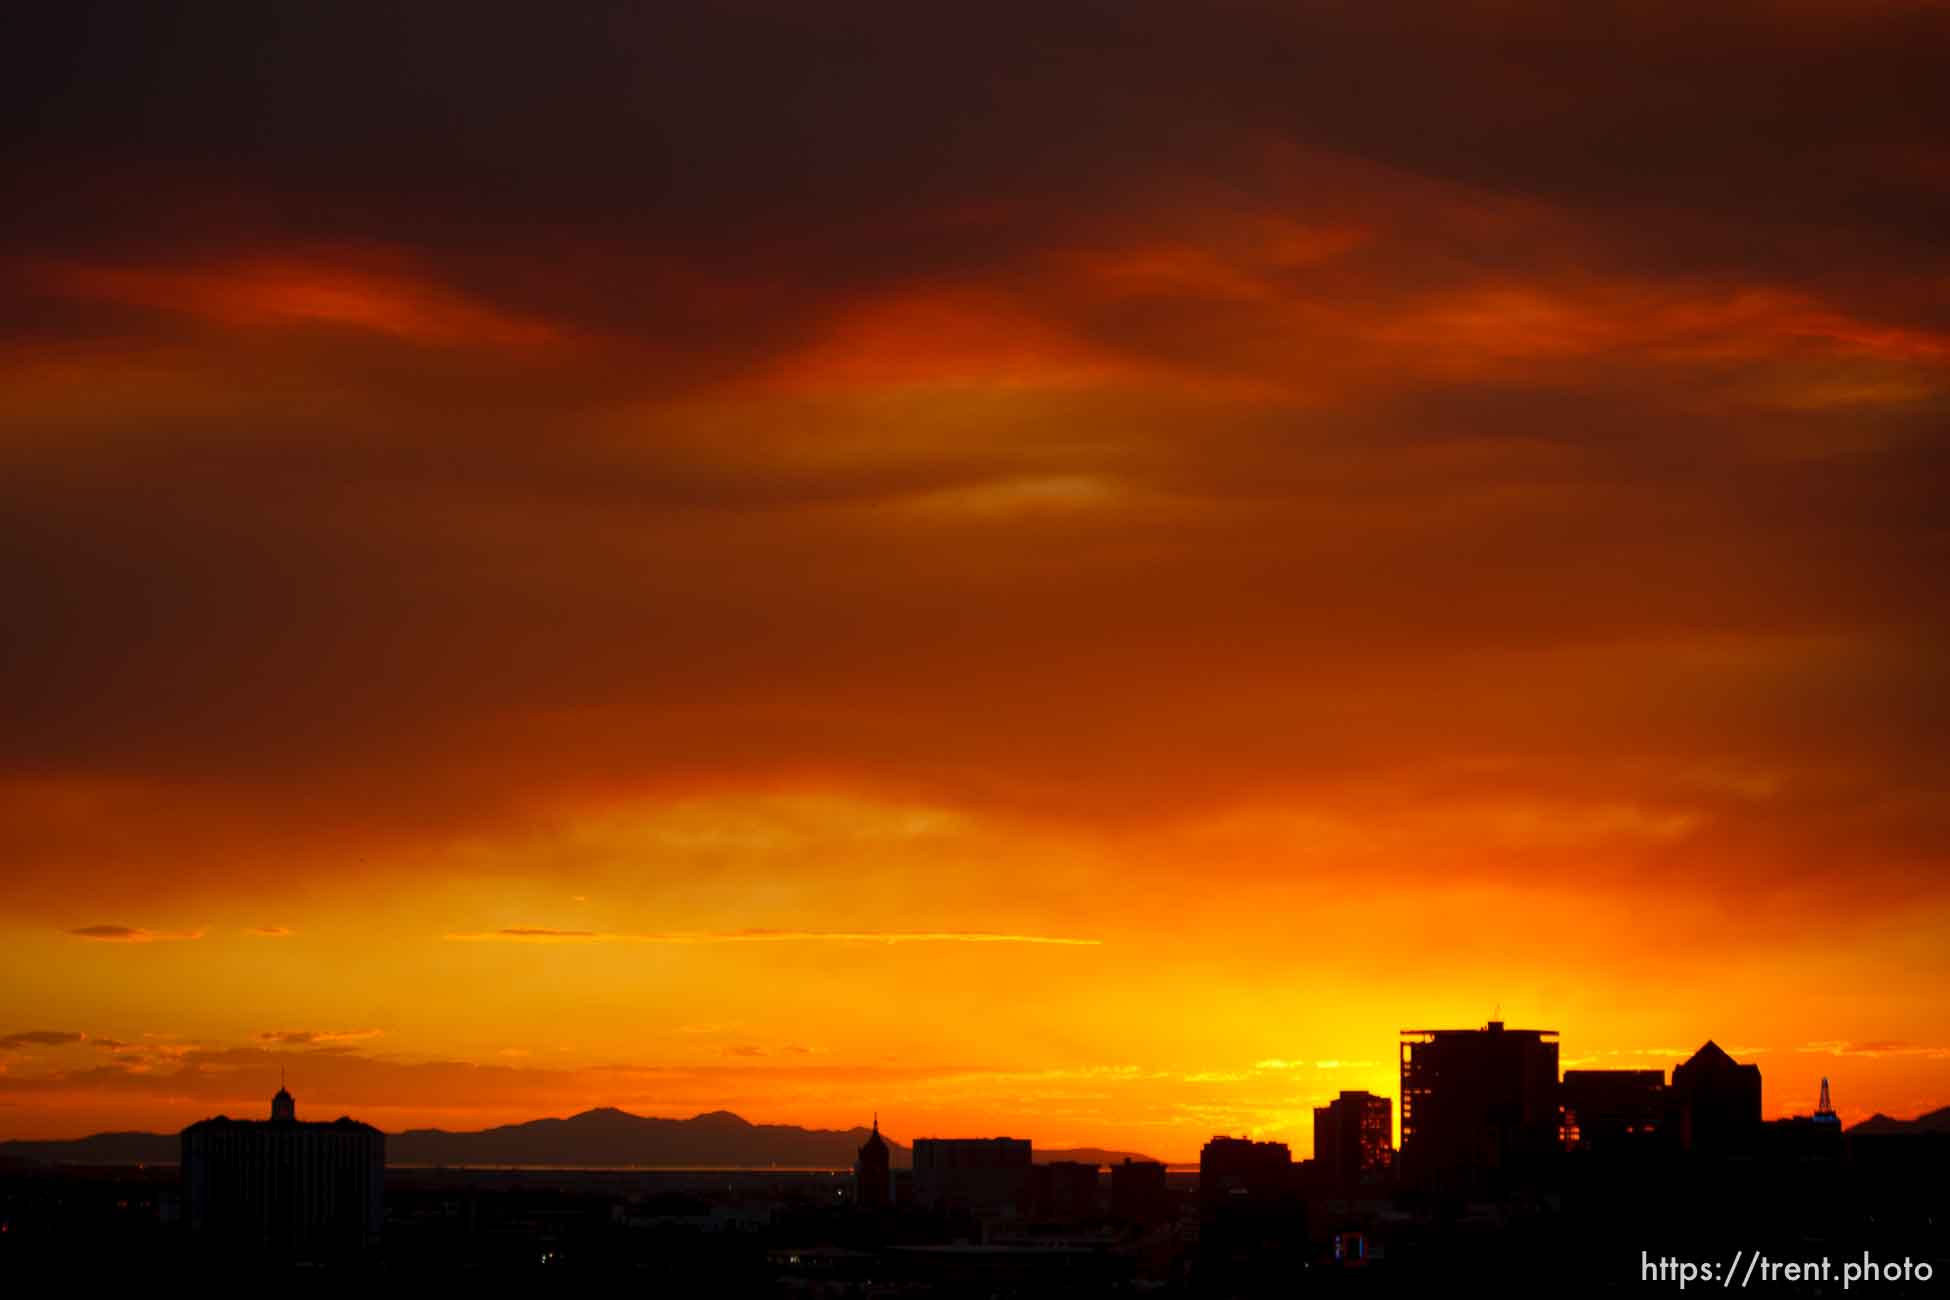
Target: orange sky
x=1069, y=578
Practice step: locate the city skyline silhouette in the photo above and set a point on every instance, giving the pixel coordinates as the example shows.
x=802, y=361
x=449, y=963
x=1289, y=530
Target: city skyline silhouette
x=1502, y=1163
x=1561, y=1096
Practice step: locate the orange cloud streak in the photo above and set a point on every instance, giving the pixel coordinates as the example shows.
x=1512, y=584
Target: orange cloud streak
x=285, y=290
x=522, y=934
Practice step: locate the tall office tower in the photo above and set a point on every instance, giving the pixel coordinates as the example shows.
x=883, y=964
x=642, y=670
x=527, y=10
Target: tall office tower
x=1479, y=1106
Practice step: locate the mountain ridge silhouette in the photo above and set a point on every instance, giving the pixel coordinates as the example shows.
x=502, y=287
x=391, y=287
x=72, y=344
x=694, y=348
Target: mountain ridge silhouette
x=1936, y=1121
x=599, y=1137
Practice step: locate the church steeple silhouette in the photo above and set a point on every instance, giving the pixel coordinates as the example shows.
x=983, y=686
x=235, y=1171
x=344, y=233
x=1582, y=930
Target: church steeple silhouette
x=873, y=1178
x=284, y=1110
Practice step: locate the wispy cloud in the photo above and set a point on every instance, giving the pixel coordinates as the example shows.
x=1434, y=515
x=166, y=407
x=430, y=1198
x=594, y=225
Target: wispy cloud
x=307, y=1037
x=254, y=294
x=1880, y=1048
x=1678, y=1053
x=270, y=931
x=536, y=934
x=1276, y=1063
x=39, y=1038
x=131, y=934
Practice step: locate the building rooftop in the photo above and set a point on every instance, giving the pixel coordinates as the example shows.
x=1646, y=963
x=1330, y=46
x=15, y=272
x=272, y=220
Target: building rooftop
x=1494, y=1027
x=284, y=1114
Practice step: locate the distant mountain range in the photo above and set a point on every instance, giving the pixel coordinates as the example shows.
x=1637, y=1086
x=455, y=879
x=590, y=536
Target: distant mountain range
x=1937, y=1121
x=101, y=1149
x=605, y=1137
x=615, y=1137
x=608, y=1137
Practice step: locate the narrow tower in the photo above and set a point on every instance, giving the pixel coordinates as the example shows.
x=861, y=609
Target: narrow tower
x=1825, y=1113
x=872, y=1176
x=283, y=1109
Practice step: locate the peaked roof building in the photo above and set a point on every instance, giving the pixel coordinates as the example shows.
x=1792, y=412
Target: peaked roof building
x=872, y=1176
x=1718, y=1100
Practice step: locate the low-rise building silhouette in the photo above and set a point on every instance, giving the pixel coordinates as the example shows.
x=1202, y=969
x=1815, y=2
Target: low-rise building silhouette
x=1252, y=1219
x=1232, y=1169
x=1610, y=1111
x=1138, y=1192
x=1066, y=1190
x=1816, y=1137
x=284, y=1188
x=983, y=1175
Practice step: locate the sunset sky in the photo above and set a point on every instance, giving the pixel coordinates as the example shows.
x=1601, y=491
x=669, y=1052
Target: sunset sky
x=1039, y=569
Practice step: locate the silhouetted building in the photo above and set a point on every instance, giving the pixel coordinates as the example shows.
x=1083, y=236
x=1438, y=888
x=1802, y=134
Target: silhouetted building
x=1613, y=1110
x=1354, y=1140
x=1252, y=1220
x=1066, y=1190
x=873, y=1185
x=283, y=1188
x=983, y=1175
x=1718, y=1102
x=1479, y=1106
x=1138, y=1192
x=1816, y=1137
x=1799, y=1138
x=1231, y=1168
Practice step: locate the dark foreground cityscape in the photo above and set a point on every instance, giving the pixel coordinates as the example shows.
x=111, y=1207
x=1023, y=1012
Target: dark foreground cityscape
x=1510, y=1177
